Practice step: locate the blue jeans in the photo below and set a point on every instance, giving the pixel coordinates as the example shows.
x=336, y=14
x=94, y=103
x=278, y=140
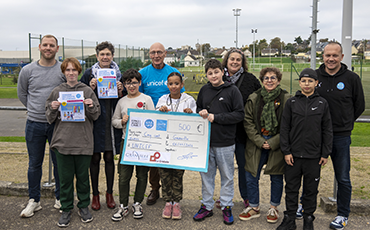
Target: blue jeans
x=340, y=157
x=223, y=158
x=253, y=184
x=36, y=135
x=240, y=160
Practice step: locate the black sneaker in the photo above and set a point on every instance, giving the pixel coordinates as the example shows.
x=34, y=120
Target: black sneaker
x=85, y=215
x=287, y=224
x=64, y=219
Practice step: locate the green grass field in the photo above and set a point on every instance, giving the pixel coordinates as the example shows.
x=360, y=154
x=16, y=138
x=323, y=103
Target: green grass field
x=8, y=92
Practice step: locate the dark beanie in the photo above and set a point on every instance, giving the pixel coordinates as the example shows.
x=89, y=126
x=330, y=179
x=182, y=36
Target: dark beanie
x=308, y=72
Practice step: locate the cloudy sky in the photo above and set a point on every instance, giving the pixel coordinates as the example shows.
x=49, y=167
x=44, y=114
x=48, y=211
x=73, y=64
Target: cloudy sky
x=140, y=23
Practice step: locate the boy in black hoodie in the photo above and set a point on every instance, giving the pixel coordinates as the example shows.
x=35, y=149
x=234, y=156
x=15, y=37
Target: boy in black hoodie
x=221, y=103
x=306, y=137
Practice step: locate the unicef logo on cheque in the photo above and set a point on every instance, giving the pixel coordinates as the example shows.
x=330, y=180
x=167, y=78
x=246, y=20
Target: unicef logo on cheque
x=149, y=124
x=78, y=95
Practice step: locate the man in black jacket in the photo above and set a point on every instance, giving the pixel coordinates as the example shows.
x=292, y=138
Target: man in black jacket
x=306, y=138
x=342, y=89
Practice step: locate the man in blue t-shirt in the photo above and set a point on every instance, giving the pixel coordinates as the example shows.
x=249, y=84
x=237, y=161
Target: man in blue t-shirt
x=154, y=84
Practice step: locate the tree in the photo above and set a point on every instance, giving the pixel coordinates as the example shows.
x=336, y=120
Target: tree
x=206, y=47
x=298, y=40
x=276, y=43
x=290, y=47
x=262, y=44
x=324, y=40
x=129, y=63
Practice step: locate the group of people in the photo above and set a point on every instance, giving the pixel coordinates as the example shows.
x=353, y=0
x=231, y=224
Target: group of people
x=260, y=124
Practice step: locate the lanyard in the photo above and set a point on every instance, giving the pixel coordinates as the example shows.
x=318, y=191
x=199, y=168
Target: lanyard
x=169, y=102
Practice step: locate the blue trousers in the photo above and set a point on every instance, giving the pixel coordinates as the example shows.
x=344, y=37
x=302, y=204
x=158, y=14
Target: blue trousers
x=36, y=135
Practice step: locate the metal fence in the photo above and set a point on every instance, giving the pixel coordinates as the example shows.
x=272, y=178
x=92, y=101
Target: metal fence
x=84, y=50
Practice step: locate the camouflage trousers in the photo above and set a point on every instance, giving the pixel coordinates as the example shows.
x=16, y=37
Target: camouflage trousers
x=171, y=184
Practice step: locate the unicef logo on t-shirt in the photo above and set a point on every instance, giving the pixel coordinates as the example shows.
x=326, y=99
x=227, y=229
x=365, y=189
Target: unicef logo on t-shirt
x=149, y=124
x=340, y=86
x=78, y=95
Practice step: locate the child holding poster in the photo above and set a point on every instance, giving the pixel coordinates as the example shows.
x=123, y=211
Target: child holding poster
x=172, y=178
x=73, y=142
x=221, y=103
x=131, y=80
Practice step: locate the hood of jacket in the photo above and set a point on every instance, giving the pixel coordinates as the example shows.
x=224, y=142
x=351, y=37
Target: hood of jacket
x=66, y=87
x=300, y=94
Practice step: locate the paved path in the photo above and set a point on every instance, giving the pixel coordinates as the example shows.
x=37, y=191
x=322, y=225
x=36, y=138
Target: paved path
x=47, y=218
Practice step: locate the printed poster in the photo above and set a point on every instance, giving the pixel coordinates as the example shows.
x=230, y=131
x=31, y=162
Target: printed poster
x=72, y=107
x=107, y=83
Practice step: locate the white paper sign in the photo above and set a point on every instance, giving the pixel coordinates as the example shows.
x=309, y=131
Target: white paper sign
x=107, y=83
x=72, y=107
x=167, y=140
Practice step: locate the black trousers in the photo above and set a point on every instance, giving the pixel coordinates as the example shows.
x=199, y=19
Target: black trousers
x=310, y=170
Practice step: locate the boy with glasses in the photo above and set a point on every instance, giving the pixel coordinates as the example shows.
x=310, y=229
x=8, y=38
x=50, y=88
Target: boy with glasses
x=134, y=99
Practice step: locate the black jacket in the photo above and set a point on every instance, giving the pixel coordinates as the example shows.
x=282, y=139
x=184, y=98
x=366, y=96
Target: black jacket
x=345, y=96
x=100, y=123
x=227, y=108
x=306, y=130
x=247, y=84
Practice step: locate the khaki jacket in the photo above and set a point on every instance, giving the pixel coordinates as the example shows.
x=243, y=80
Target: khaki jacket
x=275, y=163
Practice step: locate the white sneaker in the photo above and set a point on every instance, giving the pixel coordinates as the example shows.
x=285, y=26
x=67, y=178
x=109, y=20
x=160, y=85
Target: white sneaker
x=32, y=207
x=121, y=212
x=137, y=210
x=57, y=205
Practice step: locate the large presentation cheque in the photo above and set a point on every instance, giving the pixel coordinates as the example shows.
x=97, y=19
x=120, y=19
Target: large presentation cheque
x=167, y=140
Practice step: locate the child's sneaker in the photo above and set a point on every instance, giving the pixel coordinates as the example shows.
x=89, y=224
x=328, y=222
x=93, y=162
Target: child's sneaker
x=121, y=212
x=137, y=210
x=272, y=215
x=339, y=223
x=167, y=211
x=57, y=204
x=299, y=213
x=228, y=216
x=249, y=213
x=218, y=203
x=176, y=211
x=85, y=215
x=202, y=213
x=32, y=207
x=64, y=219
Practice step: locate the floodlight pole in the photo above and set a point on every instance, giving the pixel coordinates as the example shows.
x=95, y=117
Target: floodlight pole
x=236, y=14
x=254, y=31
x=347, y=32
x=314, y=34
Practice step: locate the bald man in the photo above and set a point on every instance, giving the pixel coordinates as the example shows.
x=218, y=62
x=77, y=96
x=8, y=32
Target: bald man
x=154, y=84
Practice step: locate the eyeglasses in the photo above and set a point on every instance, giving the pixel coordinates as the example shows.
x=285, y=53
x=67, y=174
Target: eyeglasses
x=272, y=78
x=159, y=53
x=131, y=83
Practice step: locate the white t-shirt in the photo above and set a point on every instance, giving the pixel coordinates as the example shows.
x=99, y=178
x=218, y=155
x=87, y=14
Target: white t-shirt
x=140, y=102
x=177, y=105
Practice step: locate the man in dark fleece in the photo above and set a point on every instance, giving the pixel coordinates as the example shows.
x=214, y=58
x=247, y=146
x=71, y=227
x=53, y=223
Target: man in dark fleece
x=342, y=89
